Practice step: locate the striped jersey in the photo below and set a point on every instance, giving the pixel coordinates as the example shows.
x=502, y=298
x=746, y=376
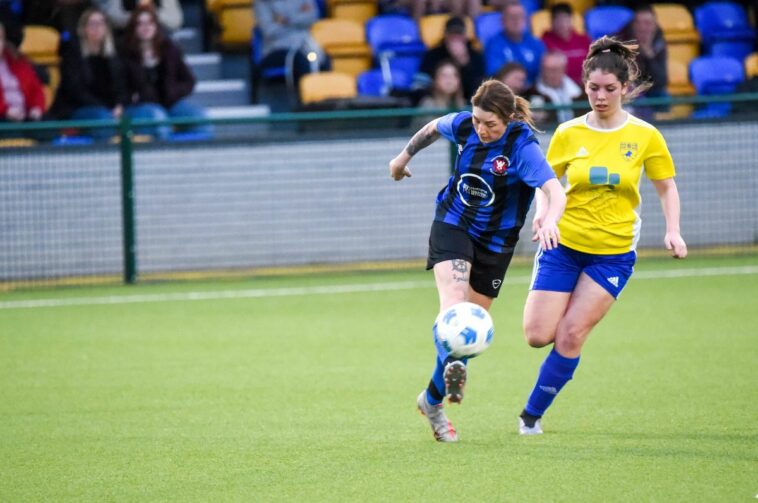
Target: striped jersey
x=603, y=168
x=492, y=187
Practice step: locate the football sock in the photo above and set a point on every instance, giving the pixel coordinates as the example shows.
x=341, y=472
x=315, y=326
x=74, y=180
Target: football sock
x=555, y=372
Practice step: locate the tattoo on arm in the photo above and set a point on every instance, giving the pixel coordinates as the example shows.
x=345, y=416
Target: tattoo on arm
x=460, y=270
x=425, y=137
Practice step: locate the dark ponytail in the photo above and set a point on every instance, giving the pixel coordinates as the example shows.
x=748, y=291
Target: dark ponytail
x=619, y=58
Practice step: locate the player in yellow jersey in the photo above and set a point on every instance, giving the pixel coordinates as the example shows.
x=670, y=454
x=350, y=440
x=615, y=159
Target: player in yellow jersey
x=602, y=155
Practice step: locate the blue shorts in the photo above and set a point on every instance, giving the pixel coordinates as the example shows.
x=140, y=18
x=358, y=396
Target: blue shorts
x=558, y=270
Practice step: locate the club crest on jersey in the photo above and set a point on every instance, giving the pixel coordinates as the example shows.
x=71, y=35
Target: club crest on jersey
x=628, y=150
x=500, y=165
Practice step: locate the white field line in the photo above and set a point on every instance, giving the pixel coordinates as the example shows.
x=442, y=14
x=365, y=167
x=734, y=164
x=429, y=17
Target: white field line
x=329, y=290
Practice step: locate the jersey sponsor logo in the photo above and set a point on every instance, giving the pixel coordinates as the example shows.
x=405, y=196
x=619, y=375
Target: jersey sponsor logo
x=614, y=280
x=474, y=191
x=496, y=283
x=500, y=165
x=628, y=150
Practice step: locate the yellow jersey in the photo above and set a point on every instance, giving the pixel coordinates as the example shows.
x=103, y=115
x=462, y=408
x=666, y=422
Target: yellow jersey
x=603, y=169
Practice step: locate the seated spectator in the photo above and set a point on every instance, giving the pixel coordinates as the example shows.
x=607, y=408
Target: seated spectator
x=158, y=80
x=653, y=54
x=285, y=26
x=470, y=8
x=514, y=43
x=456, y=48
x=92, y=79
x=555, y=87
x=563, y=38
x=21, y=95
x=513, y=75
x=169, y=12
x=446, y=92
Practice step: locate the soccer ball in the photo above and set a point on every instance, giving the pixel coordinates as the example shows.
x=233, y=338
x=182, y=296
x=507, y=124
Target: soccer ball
x=465, y=330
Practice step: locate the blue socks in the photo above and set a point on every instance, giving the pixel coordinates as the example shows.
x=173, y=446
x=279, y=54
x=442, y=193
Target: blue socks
x=555, y=372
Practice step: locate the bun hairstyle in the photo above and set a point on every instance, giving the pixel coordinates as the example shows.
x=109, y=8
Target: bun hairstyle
x=496, y=97
x=619, y=58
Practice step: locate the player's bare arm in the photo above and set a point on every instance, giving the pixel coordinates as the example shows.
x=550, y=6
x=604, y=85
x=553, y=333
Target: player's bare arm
x=422, y=139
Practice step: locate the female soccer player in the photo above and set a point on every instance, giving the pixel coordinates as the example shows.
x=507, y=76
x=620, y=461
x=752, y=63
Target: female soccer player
x=602, y=155
x=479, y=215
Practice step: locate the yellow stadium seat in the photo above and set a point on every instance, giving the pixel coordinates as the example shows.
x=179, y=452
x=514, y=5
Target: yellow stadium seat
x=676, y=23
x=41, y=44
x=679, y=80
x=344, y=40
x=357, y=10
x=216, y=6
x=237, y=22
x=432, y=28
x=16, y=142
x=751, y=65
x=326, y=85
x=579, y=6
x=541, y=22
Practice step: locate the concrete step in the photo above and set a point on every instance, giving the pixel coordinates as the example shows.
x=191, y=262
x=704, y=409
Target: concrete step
x=215, y=93
x=206, y=66
x=189, y=40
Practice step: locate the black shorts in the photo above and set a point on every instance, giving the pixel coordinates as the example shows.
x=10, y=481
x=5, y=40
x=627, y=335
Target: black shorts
x=449, y=242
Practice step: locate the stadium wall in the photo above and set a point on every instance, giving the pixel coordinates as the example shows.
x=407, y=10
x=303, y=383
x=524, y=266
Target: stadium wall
x=237, y=205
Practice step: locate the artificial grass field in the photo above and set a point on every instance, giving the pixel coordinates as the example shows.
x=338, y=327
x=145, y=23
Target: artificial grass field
x=309, y=395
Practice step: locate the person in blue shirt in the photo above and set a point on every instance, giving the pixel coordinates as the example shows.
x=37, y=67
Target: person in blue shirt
x=479, y=215
x=514, y=43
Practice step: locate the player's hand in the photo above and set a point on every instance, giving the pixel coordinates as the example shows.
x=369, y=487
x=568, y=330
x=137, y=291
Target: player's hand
x=536, y=224
x=548, y=235
x=399, y=169
x=675, y=244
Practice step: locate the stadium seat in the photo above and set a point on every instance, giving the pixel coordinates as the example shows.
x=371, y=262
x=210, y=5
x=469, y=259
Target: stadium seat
x=715, y=75
x=236, y=20
x=725, y=29
x=751, y=66
x=432, y=28
x=344, y=40
x=606, y=20
x=679, y=31
x=395, y=40
x=679, y=81
x=373, y=83
x=321, y=86
x=357, y=10
x=40, y=45
x=531, y=6
x=487, y=26
x=579, y=6
x=540, y=22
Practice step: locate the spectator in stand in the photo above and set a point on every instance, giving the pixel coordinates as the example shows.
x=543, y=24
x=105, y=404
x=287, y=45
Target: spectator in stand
x=513, y=75
x=653, y=53
x=563, y=38
x=92, y=78
x=554, y=87
x=446, y=92
x=119, y=12
x=63, y=15
x=21, y=95
x=458, y=8
x=514, y=43
x=285, y=26
x=456, y=48
x=158, y=80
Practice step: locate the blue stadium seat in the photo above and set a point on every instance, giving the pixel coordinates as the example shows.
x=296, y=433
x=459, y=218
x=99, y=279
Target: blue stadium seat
x=487, y=26
x=395, y=40
x=531, y=6
x=372, y=82
x=715, y=75
x=725, y=29
x=606, y=20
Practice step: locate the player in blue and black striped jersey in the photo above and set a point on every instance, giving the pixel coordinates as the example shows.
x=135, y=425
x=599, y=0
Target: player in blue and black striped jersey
x=479, y=215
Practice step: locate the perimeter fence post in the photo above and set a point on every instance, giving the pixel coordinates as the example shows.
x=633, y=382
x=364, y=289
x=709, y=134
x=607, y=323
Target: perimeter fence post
x=127, y=200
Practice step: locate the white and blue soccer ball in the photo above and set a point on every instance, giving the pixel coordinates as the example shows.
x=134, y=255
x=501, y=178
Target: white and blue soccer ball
x=465, y=330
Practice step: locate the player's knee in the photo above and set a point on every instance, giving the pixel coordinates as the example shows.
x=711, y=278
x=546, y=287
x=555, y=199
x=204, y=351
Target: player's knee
x=536, y=334
x=570, y=338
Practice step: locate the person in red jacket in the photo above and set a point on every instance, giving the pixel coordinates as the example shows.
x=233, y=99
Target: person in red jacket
x=563, y=38
x=21, y=95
